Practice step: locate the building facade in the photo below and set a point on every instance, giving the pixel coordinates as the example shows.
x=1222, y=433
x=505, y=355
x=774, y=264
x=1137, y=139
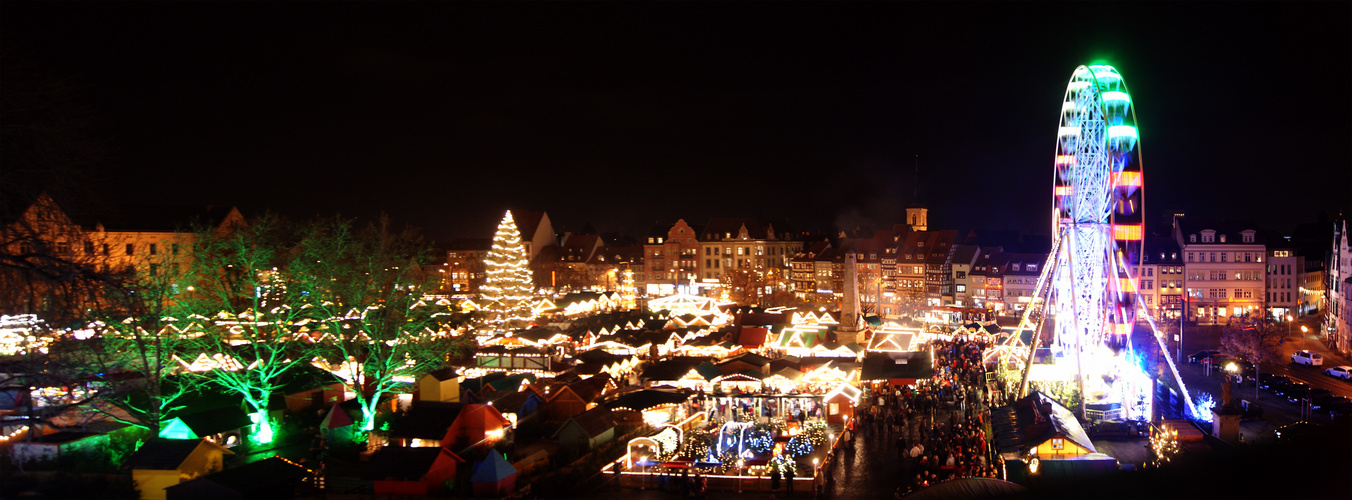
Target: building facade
x=1224, y=270
x=1284, y=269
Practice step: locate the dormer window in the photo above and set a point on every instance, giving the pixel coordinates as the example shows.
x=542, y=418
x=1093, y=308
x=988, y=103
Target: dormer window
x=1248, y=236
x=1209, y=236
x=1192, y=238
x=1032, y=268
x=1015, y=267
x=1222, y=238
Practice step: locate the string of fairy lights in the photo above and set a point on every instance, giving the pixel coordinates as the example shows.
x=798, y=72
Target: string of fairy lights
x=507, y=289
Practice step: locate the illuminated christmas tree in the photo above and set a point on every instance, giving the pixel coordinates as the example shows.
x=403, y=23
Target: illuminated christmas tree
x=507, y=287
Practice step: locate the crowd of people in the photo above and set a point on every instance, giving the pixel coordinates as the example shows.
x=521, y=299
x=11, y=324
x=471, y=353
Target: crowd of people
x=938, y=425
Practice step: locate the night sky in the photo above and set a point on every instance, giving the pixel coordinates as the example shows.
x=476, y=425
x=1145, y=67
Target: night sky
x=618, y=115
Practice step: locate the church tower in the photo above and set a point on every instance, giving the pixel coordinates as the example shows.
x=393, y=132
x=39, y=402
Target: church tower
x=915, y=217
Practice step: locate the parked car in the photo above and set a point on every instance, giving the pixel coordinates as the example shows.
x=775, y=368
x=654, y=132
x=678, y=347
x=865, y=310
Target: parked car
x=1270, y=381
x=1340, y=407
x=1343, y=372
x=1197, y=357
x=1293, y=385
x=1299, y=431
x=1217, y=361
x=1307, y=358
x=1297, y=392
x=1320, y=398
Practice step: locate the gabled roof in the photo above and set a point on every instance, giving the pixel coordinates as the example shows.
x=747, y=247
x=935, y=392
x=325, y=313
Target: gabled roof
x=719, y=228
x=645, y=399
x=216, y=421
x=750, y=358
x=527, y=223
x=165, y=454
x=493, y=469
x=594, y=422
x=897, y=365
x=513, y=402
x=427, y=420
x=708, y=370
x=599, y=356
x=304, y=377
x=163, y=219
x=397, y=463
x=477, y=384
x=788, y=373
x=443, y=374
x=672, y=369
x=590, y=388
x=336, y=417
x=271, y=477
x=1033, y=420
x=513, y=383
x=965, y=254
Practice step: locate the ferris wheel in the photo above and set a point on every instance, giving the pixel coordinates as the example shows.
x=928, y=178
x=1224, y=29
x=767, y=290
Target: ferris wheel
x=1086, y=296
x=1097, y=217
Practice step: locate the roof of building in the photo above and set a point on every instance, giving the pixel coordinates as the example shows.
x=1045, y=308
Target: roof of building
x=708, y=370
x=397, y=463
x=939, y=245
x=271, y=477
x=216, y=421
x=590, y=388
x=477, y=384
x=594, y=422
x=751, y=336
x=527, y=223
x=1033, y=420
x=896, y=365
x=304, y=377
x=965, y=254
x=163, y=454
x=1233, y=231
x=512, y=402
x=427, y=420
x=513, y=382
x=494, y=468
x=443, y=374
x=645, y=399
x=159, y=219
x=599, y=356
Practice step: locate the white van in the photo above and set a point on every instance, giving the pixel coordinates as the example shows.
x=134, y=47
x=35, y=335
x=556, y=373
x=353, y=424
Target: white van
x=1307, y=358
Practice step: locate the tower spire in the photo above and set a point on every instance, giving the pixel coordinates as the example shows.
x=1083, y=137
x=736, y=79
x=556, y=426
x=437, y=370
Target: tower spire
x=915, y=183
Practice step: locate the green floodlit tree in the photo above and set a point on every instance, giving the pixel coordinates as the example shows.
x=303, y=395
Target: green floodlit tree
x=507, y=288
x=243, y=314
x=136, y=341
x=370, y=315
